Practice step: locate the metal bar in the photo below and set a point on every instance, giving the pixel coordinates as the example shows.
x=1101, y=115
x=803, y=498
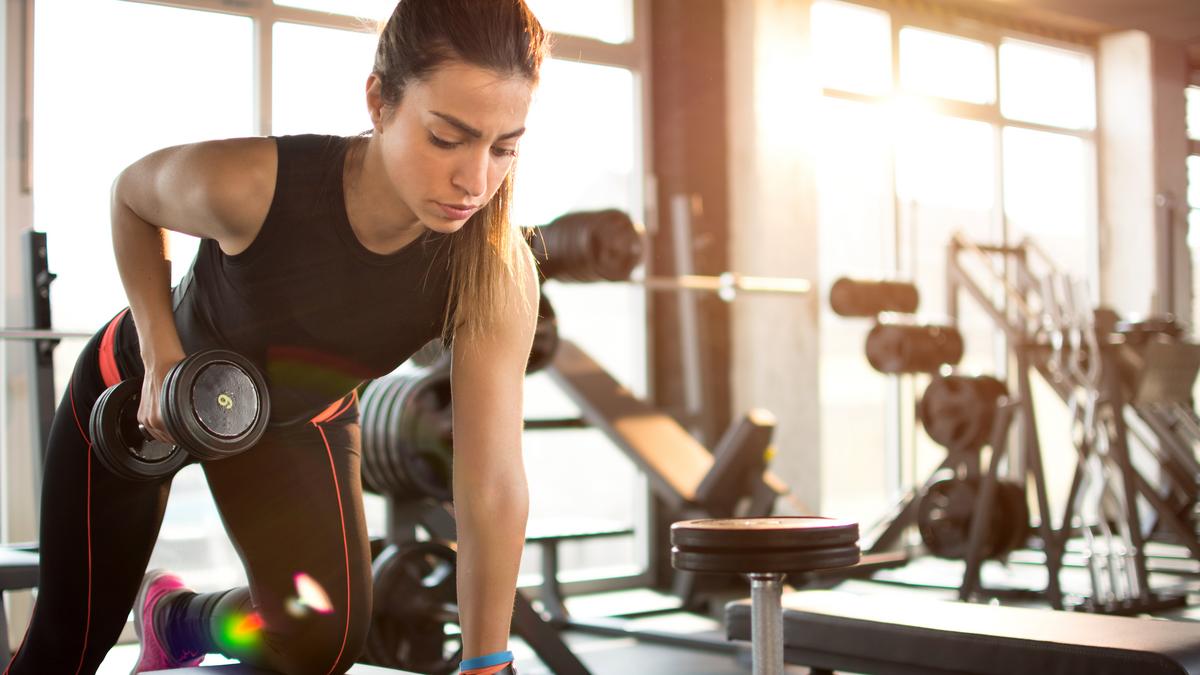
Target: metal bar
x=766, y=625
x=41, y=334
x=728, y=284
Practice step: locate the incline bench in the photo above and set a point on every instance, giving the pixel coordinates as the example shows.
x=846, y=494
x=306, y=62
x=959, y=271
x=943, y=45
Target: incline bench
x=886, y=635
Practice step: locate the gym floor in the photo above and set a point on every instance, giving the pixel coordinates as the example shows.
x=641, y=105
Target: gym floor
x=928, y=578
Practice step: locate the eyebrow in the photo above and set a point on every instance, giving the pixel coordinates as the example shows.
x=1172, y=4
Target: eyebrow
x=472, y=131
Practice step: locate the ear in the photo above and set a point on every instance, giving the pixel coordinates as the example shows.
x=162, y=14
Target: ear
x=375, y=101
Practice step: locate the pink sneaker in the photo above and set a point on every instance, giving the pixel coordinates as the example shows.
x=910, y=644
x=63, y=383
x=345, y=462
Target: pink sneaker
x=153, y=654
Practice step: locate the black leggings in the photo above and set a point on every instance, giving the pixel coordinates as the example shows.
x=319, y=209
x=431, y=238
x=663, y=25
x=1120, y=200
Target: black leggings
x=292, y=504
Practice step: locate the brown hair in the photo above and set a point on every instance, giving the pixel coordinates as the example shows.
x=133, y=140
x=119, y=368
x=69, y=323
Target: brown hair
x=500, y=35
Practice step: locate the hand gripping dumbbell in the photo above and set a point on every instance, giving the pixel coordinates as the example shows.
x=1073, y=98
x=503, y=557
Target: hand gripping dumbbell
x=214, y=404
x=765, y=550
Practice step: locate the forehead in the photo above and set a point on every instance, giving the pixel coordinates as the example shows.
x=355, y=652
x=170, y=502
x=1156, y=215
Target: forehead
x=479, y=96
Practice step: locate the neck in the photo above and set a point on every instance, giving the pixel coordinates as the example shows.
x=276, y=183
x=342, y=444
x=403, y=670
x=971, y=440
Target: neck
x=379, y=217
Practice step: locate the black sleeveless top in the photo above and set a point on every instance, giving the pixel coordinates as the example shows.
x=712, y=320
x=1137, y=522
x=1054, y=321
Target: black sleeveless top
x=306, y=301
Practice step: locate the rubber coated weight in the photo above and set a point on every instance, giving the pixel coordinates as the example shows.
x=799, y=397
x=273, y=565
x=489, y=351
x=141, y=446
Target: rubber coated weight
x=1016, y=517
x=958, y=411
x=858, y=297
x=215, y=404
x=414, y=599
x=408, y=435
x=764, y=562
x=367, y=467
x=118, y=443
x=945, y=514
x=763, y=534
x=588, y=246
x=894, y=348
x=545, y=337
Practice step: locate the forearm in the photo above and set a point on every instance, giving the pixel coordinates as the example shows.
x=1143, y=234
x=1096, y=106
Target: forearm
x=491, y=537
x=141, y=254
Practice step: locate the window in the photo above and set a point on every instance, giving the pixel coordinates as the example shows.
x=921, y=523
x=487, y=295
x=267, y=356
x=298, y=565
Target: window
x=207, y=77
x=965, y=128
x=852, y=46
x=948, y=66
x=89, y=125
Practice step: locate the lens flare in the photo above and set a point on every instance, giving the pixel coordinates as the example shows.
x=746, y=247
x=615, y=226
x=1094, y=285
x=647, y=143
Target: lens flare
x=242, y=630
x=311, y=595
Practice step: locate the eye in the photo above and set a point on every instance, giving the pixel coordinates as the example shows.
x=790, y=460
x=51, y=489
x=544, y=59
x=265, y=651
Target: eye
x=504, y=152
x=442, y=143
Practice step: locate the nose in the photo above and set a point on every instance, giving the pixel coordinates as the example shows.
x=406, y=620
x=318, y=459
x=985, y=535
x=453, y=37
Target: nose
x=471, y=175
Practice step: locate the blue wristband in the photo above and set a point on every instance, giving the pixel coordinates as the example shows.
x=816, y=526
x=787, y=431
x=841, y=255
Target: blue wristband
x=493, y=659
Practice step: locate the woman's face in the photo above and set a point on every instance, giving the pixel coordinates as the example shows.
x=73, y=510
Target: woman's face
x=451, y=141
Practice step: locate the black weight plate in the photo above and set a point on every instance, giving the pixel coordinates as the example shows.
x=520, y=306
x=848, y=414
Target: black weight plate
x=944, y=517
x=545, y=337
x=366, y=407
x=767, y=534
x=225, y=399
x=117, y=442
x=414, y=583
x=428, y=425
x=390, y=427
x=186, y=404
x=765, y=562
x=955, y=412
x=373, y=440
x=866, y=298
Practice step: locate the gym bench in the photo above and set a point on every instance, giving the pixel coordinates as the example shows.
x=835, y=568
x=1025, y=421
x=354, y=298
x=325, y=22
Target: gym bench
x=885, y=635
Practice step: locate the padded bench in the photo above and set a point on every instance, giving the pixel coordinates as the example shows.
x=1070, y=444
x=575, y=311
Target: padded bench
x=885, y=635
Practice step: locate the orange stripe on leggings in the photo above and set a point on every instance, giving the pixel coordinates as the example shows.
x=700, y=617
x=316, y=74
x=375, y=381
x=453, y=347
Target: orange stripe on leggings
x=87, y=626
x=336, y=408
x=108, y=354
x=345, y=546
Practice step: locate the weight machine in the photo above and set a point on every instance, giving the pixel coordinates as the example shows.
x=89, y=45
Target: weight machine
x=1130, y=408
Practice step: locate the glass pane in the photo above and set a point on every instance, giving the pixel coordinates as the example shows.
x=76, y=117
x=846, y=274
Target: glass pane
x=1048, y=189
x=607, y=20
x=852, y=46
x=1193, y=112
x=379, y=10
x=945, y=182
x=1193, y=178
x=944, y=161
x=948, y=66
x=855, y=216
x=581, y=152
x=1046, y=85
x=319, y=80
x=200, y=87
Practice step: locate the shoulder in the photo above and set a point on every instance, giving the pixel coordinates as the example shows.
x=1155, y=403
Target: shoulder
x=239, y=183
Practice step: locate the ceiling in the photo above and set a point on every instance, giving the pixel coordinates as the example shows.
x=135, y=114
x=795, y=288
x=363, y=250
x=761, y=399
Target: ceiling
x=1174, y=20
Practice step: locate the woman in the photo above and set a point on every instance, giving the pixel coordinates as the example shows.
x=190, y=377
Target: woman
x=326, y=261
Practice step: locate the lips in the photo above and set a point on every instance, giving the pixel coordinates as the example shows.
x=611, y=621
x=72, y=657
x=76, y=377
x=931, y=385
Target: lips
x=457, y=211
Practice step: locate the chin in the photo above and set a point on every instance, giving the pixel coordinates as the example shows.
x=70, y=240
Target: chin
x=444, y=225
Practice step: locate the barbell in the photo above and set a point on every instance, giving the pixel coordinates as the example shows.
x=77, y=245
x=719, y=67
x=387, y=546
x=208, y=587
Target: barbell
x=606, y=245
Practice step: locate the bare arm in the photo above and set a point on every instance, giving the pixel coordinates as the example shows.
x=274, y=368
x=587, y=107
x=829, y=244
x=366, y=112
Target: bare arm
x=491, y=498
x=217, y=190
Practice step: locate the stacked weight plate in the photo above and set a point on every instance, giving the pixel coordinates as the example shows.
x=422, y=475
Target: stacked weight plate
x=407, y=441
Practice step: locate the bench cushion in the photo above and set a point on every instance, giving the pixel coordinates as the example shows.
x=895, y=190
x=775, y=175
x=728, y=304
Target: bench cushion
x=901, y=635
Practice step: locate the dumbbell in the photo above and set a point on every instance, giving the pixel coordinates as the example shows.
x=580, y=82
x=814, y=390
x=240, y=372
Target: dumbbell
x=214, y=404
x=765, y=550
